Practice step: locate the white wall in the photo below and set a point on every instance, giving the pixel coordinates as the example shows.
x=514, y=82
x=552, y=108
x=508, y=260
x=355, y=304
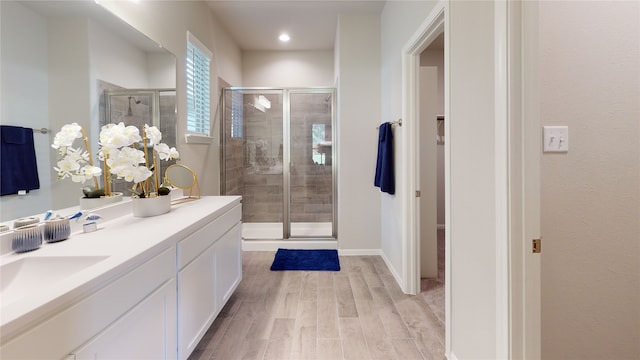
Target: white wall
x=358, y=61
x=161, y=70
x=399, y=21
x=473, y=180
x=69, y=91
x=167, y=22
x=24, y=97
x=116, y=61
x=287, y=68
x=590, y=81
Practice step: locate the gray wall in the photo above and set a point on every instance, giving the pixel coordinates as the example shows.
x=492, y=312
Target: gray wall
x=590, y=81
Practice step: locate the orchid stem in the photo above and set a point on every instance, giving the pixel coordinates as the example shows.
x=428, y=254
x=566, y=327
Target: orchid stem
x=86, y=145
x=146, y=157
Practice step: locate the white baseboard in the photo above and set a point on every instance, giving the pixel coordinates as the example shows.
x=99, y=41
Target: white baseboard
x=393, y=271
x=359, y=252
x=273, y=245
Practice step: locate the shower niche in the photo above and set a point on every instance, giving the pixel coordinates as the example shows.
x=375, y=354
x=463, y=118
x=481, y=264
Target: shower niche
x=277, y=153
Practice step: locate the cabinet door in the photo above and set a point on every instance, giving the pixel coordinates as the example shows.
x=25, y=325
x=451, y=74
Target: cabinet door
x=228, y=264
x=196, y=301
x=148, y=331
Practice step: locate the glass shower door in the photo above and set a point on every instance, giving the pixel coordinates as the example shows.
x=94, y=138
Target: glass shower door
x=253, y=159
x=311, y=171
x=278, y=154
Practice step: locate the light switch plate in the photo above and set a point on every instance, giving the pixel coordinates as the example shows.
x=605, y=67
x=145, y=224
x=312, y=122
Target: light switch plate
x=556, y=139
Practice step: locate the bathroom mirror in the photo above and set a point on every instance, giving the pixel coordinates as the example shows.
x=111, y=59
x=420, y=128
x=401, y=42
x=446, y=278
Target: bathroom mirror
x=182, y=177
x=58, y=59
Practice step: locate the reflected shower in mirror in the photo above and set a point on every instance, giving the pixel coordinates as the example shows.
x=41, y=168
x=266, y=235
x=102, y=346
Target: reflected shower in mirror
x=153, y=107
x=58, y=58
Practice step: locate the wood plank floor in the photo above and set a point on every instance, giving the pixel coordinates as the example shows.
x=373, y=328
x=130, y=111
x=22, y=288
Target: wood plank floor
x=356, y=313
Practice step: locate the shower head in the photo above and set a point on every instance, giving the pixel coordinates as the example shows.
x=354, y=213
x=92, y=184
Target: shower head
x=129, y=112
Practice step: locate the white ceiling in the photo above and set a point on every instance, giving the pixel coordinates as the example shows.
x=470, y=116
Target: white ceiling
x=256, y=25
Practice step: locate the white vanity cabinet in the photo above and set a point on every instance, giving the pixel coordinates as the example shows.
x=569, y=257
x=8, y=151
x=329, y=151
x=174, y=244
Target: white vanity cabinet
x=159, y=285
x=209, y=270
x=148, y=331
x=97, y=326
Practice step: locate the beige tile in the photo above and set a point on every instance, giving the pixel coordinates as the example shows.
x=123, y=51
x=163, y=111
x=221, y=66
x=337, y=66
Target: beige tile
x=328, y=326
x=359, y=286
x=393, y=323
x=254, y=350
x=282, y=329
x=287, y=304
x=305, y=331
x=354, y=345
x=325, y=279
x=329, y=349
x=344, y=295
x=309, y=285
x=374, y=332
x=278, y=349
x=323, y=315
x=406, y=349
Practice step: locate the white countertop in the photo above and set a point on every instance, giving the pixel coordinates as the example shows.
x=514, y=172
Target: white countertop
x=125, y=242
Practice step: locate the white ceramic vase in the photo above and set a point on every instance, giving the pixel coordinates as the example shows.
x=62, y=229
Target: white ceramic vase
x=93, y=203
x=151, y=206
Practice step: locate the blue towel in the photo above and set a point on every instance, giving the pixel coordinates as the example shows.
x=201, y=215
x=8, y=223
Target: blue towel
x=385, y=178
x=18, y=167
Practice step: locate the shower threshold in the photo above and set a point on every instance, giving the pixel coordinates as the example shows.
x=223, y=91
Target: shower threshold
x=271, y=231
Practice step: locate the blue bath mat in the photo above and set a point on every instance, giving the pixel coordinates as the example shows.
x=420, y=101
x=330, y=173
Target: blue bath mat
x=306, y=260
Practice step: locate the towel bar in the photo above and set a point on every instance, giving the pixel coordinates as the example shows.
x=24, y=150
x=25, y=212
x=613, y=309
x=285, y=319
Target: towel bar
x=397, y=122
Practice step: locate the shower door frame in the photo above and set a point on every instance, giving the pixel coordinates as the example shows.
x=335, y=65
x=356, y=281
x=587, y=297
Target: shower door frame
x=286, y=160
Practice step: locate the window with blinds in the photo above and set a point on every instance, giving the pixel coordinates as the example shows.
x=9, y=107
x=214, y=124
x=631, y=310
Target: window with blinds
x=198, y=91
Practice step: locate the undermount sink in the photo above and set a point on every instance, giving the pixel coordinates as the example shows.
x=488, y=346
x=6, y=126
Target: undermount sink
x=30, y=274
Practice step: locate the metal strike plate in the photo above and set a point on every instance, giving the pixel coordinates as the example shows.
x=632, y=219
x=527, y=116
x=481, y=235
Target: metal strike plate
x=537, y=246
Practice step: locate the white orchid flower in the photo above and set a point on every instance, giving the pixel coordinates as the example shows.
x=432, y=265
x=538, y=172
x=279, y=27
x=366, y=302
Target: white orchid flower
x=66, y=135
x=166, y=153
x=153, y=134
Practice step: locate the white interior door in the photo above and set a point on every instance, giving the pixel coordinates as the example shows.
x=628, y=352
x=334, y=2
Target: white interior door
x=532, y=153
x=525, y=152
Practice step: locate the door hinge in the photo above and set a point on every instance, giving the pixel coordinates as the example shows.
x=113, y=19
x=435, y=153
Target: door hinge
x=537, y=246
x=417, y=193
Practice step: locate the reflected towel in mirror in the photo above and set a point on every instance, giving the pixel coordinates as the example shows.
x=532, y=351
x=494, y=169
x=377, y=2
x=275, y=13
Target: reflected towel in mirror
x=18, y=167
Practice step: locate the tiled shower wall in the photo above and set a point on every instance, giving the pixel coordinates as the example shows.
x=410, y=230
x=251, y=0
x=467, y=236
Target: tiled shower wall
x=253, y=164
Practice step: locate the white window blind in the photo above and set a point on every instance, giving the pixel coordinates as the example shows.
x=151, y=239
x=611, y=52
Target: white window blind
x=198, y=92
x=236, y=114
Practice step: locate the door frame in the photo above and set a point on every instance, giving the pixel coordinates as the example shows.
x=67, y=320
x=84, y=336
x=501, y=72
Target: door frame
x=429, y=30
x=517, y=173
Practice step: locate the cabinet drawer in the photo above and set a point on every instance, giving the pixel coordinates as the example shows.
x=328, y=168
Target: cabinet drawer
x=196, y=243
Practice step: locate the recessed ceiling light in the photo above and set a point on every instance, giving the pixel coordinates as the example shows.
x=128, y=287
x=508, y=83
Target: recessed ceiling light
x=284, y=37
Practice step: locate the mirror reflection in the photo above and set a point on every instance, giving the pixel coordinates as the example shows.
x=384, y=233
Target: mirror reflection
x=182, y=177
x=70, y=61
